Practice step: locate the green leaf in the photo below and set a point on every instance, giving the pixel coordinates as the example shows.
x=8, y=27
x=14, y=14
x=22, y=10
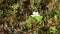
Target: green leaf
x=29, y=26
x=38, y=18
x=53, y=29
x=15, y=6
x=55, y=17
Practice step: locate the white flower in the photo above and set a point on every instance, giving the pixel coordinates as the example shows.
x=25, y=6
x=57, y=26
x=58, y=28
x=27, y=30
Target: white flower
x=35, y=14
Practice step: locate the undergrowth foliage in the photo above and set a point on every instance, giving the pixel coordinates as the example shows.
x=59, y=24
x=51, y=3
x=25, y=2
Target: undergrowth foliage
x=29, y=16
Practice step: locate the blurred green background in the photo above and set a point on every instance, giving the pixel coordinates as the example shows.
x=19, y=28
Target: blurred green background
x=15, y=17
